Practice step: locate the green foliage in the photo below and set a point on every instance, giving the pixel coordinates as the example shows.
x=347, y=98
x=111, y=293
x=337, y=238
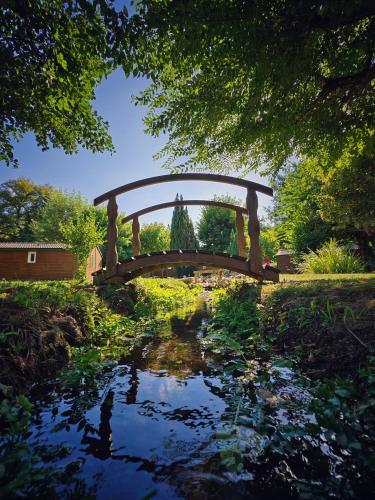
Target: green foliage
x=243, y=84
x=298, y=223
x=81, y=236
x=216, y=225
x=269, y=242
x=157, y=296
x=23, y=469
x=54, y=54
x=233, y=247
x=60, y=209
x=235, y=319
x=21, y=201
x=347, y=201
x=182, y=235
x=55, y=297
x=154, y=237
x=331, y=258
x=69, y=219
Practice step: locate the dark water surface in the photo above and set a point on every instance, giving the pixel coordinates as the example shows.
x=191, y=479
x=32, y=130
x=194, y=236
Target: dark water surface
x=149, y=431
x=169, y=424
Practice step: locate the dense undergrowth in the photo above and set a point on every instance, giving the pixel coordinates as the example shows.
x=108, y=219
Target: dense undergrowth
x=320, y=329
x=45, y=326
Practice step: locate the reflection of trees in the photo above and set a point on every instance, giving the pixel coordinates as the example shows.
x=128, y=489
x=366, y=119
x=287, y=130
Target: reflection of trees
x=180, y=354
x=100, y=447
x=131, y=393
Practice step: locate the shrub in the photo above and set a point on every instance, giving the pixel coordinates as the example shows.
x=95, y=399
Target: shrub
x=331, y=258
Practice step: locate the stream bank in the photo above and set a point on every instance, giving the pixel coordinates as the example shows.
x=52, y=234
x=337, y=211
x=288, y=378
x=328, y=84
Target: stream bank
x=204, y=405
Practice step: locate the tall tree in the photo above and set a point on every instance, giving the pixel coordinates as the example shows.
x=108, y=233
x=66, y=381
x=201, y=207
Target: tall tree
x=154, y=237
x=295, y=213
x=182, y=234
x=21, y=201
x=53, y=54
x=80, y=236
x=182, y=229
x=347, y=202
x=66, y=209
x=61, y=208
x=233, y=247
x=248, y=83
x=216, y=225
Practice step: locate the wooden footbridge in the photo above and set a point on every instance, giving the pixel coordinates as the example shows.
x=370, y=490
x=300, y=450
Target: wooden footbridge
x=138, y=264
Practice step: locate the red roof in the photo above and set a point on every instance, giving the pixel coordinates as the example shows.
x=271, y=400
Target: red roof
x=26, y=245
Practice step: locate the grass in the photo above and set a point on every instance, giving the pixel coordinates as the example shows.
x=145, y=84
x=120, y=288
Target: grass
x=334, y=277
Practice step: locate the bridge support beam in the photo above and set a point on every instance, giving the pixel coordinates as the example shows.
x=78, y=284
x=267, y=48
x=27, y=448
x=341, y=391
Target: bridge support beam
x=136, y=242
x=254, y=232
x=112, y=236
x=241, y=243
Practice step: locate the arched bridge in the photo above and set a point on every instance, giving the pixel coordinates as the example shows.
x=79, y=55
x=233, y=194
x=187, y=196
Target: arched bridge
x=138, y=264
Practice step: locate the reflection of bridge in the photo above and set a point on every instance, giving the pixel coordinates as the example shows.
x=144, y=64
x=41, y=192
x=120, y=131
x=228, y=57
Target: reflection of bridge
x=142, y=264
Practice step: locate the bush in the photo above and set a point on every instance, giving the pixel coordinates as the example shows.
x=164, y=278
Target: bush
x=331, y=258
x=157, y=296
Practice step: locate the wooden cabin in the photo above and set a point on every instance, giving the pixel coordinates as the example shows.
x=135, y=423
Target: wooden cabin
x=43, y=261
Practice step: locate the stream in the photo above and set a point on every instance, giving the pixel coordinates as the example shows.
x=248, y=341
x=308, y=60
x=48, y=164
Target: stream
x=169, y=423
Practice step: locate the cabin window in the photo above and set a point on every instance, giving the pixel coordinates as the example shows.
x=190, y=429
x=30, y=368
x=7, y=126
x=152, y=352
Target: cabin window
x=31, y=257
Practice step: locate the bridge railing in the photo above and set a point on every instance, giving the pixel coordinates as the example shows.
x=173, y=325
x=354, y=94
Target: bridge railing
x=253, y=226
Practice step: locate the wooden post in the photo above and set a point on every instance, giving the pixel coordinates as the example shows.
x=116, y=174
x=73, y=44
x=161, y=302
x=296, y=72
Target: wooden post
x=112, y=235
x=241, y=243
x=254, y=232
x=136, y=242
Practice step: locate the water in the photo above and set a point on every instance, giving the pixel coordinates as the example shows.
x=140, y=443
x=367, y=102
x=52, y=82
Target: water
x=167, y=423
x=149, y=424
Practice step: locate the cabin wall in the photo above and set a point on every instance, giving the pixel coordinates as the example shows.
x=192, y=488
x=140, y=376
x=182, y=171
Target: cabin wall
x=50, y=264
x=94, y=263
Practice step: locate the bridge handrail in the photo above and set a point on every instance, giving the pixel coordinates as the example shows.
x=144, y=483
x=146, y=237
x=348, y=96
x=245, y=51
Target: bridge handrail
x=226, y=179
x=178, y=203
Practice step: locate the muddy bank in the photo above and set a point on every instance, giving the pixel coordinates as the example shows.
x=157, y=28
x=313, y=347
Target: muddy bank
x=41, y=321
x=33, y=347
x=328, y=326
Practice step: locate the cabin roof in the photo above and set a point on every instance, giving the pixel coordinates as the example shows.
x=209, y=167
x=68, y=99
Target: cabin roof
x=31, y=245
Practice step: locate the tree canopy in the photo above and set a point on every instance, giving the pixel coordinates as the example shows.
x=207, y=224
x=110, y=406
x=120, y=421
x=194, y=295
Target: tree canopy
x=216, y=225
x=247, y=83
x=154, y=237
x=53, y=54
x=21, y=201
x=299, y=224
x=182, y=229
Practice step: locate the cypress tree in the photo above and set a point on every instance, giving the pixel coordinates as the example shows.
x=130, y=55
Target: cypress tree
x=232, y=247
x=182, y=234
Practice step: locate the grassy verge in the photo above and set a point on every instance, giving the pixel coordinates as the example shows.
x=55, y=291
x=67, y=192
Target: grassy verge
x=330, y=277
x=323, y=329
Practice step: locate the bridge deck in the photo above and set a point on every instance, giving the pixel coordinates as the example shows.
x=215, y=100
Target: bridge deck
x=143, y=264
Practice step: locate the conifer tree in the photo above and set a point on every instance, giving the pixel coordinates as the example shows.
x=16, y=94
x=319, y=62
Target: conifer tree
x=232, y=247
x=182, y=234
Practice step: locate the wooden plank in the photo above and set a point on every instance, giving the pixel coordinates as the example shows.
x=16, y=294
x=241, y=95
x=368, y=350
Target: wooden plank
x=184, y=177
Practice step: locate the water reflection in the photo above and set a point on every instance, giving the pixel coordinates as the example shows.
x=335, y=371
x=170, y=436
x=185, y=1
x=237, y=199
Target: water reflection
x=150, y=424
x=168, y=424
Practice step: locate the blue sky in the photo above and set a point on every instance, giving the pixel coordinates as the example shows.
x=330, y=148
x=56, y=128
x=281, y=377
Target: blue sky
x=93, y=174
